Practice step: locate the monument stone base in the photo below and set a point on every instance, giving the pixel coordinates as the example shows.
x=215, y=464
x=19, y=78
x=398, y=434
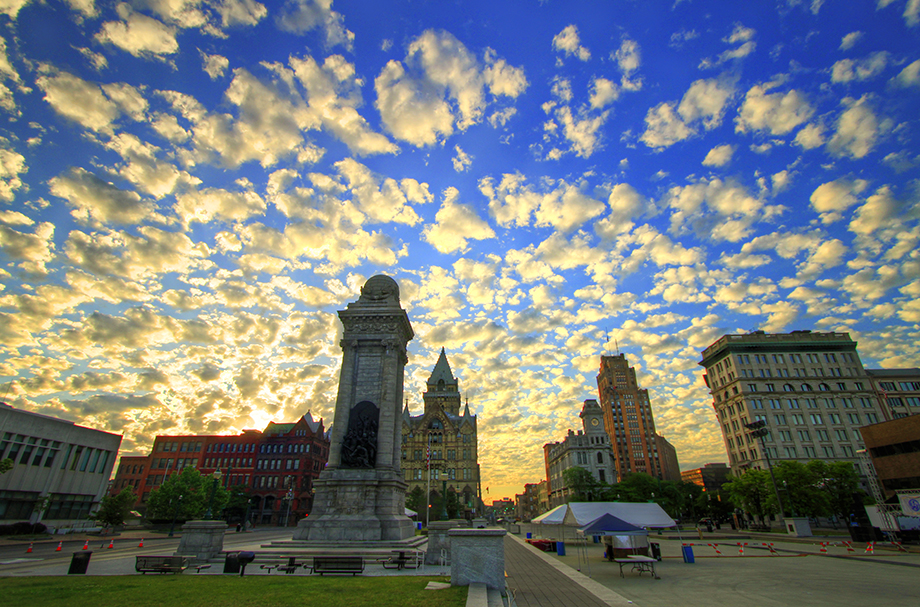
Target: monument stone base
x=477, y=556
x=202, y=540
x=797, y=526
x=357, y=505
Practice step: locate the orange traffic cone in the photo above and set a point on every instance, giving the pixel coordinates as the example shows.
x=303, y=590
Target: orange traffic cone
x=86, y=545
x=29, y=549
x=141, y=545
x=111, y=543
x=60, y=545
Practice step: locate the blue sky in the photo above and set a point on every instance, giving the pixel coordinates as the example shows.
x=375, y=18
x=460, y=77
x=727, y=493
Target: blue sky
x=190, y=189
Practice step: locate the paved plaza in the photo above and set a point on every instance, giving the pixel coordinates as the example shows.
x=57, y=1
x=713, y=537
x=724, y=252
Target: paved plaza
x=798, y=574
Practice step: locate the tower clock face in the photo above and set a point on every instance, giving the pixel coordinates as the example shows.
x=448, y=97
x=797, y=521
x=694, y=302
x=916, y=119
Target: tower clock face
x=595, y=422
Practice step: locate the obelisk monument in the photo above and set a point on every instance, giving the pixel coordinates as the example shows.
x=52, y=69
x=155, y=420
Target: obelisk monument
x=360, y=496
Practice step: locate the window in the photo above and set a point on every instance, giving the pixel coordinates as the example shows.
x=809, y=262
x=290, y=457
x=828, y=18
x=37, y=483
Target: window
x=778, y=358
x=776, y=403
x=841, y=385
x=829, y=403
x=752, y=387
x=798, y=420
x=822, y=435
x=841, y=434
x=806, y=388
x=865, y=402
x=757, y=404
x=847, y=403
x=793, y=403
x=811, y=403
x=847, y=450
x=835, y=419
x=788, y=388
x=785, y=435
x=803, y=435
x=790, y=452
x=853, y=418
x=770, y=388
x=780, y=419
x=872, y=418
x=810, y=452
x=816, y=419
x=910, y=386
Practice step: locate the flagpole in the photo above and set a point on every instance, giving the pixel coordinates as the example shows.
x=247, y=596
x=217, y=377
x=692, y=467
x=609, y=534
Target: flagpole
x=428, y=490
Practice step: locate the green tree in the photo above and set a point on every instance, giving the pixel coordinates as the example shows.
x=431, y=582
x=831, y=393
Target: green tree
x=837, y=481
x=114, y=509
x=453, y=504
x=415, y=500
x=636, y=487
x=800, y=491
x=583, y=487
x=753, y=491
x=6, y=465
x=195, y=490
x=237, y=502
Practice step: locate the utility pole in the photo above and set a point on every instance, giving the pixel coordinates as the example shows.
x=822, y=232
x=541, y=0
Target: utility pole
x=759, y=430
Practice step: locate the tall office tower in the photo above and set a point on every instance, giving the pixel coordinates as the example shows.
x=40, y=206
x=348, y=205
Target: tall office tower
x=628, y=418
x=809, y=389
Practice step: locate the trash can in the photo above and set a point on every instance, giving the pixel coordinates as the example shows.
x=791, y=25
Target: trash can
x=656, y=550
x=80, y=562
x=688, y=554
x=232, y=563
x=529, y=535
x=418, y=526
x=560, y=548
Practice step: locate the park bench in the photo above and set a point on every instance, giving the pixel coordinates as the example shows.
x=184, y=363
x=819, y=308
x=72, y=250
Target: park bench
x=161, y=564
x=337, y=564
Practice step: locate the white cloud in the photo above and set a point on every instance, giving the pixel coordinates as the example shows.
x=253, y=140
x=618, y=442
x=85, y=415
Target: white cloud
x=301, y=16
x=461, y=161
x=139, y=34
x=721, y=210
x=568, y=42
x=626, y=207
x=603, y=92
x=560, y=205
x=909, y=76
x=11, y=8
x=78, y=100
x=455, y=224
x=831, y=199
x=776, y=113
x=381, y=199
x=207, y=204
x=850, y=40
x=857, y=129
x=719, y=155
x=704, y=101
x=810, y=136
x=95, y=201
x=441, y=87
x=848, y=70
x=664, y=127
x=12, y=165
x=214, y=65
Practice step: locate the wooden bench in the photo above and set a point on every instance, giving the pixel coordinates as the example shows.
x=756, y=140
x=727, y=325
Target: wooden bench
x=337, y=564
x=161, y=564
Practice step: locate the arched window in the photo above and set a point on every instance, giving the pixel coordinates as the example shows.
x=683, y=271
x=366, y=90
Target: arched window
x=806, y=388
x=788, y=388
x=600, y=457
x=435, y=425
x=441, y=385
x=823, y=387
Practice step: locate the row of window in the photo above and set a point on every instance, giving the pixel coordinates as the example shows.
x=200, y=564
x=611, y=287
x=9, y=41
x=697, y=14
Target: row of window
x=423, y=454
x=449, y=474
x=810, y=403
x=904, y=386
x=822, y=387
x=168, y=446
x=23, y=449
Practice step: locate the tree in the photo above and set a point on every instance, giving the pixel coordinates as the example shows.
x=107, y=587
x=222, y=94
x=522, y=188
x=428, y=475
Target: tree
x=6, y=465
x=195, y=490
x=453, y=504
x=800, y=491
x=838, y=481
x=114, y=509
x=237, y=503
x=636, y=487
x=753, y=491
x=583, y=487
x=415, y=500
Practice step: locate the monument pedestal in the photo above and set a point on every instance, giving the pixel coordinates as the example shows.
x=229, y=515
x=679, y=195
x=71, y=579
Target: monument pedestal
x=477, y=556
x=353, y=505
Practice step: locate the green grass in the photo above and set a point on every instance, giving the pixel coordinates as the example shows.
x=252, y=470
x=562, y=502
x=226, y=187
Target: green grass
x=211, y=590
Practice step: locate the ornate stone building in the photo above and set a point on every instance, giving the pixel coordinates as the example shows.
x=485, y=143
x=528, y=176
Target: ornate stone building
x=589, y=448
x=449, y=436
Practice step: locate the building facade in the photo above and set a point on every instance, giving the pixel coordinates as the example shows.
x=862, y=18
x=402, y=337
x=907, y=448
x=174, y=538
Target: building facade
x=55, y=462
x=898, y=390
x=446, y=438
x=894, y=449
x=589, y=448
x=628, y=418
x=277, y=466
x=667, y=455
x=710, y=477
x=809, y=390
x=290, y=458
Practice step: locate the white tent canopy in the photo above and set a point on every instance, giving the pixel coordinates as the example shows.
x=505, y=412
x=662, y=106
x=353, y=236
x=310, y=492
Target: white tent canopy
x=579, y=514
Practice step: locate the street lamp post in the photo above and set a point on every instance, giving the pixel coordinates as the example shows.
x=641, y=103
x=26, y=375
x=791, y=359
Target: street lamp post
x=172, y=527
x=216, y=476
x=758, y=430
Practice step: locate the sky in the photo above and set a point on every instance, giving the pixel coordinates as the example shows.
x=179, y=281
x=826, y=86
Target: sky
x=190, y=190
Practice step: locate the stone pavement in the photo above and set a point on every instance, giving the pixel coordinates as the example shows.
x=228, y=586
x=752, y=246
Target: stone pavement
x=536, y=580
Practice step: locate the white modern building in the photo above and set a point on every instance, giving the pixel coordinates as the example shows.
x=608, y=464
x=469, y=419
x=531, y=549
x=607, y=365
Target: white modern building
x=53, y=458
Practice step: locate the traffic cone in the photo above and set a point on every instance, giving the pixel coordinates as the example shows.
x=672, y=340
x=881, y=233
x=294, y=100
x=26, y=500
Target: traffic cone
x=60, y=545
x=141, y=545
x=111, y=543
x=86, y=545
x=29, y=548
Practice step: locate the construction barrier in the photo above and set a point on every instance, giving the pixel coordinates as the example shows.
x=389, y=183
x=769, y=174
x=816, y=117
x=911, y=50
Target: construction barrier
x=824, y=547
x=716, y=548
x=772, y=549
x=870, y=548
x=741, y=548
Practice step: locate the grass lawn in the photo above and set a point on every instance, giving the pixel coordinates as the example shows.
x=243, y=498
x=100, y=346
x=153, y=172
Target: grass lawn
x=210, y=590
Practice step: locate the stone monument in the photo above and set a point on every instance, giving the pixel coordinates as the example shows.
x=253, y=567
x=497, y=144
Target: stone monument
x=360, y=496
